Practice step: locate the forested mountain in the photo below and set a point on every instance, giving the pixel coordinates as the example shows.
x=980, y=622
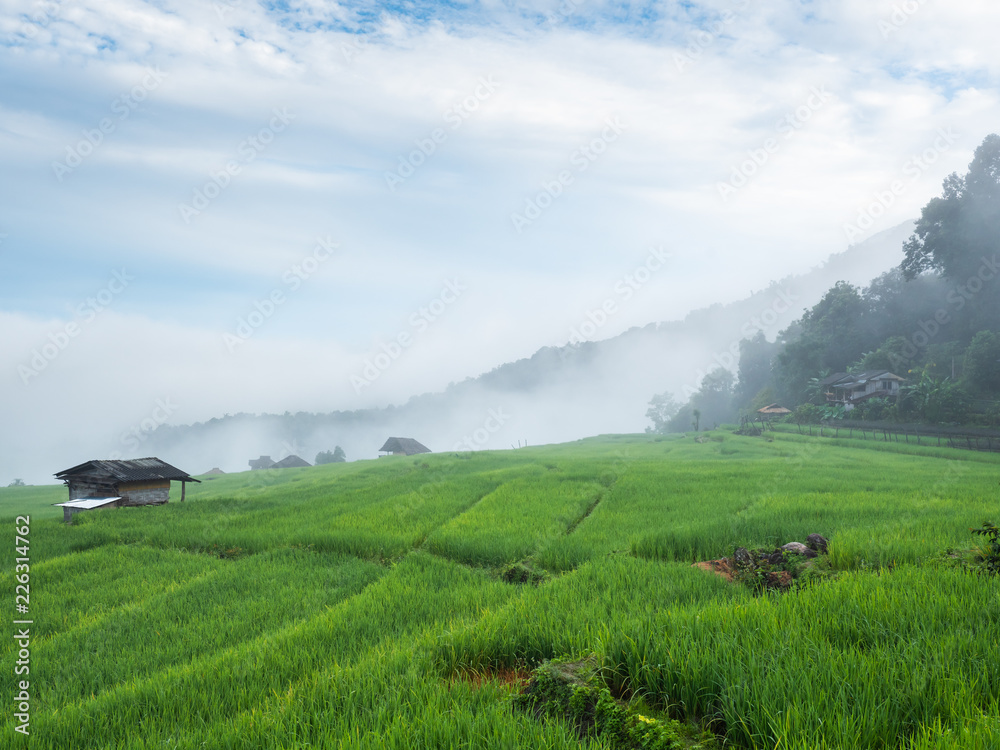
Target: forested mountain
x=934, y=320
x=557, y=394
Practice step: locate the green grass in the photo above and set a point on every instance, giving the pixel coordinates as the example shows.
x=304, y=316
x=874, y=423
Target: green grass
x=36, y=501
x=343, y=606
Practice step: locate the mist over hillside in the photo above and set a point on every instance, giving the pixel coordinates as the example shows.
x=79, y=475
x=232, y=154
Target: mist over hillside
x=559, y=394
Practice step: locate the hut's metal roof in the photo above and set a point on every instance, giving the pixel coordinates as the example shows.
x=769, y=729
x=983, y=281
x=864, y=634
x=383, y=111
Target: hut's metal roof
x=133, y=470
x=845, y=380
x=290, y=462
x=409, y=446
x=88, y=503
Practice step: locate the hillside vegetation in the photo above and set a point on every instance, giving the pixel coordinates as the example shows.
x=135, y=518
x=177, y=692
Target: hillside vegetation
x=365, y=605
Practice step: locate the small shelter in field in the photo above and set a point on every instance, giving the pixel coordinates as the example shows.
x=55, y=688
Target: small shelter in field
x=290, y=462
x=214, y=471
x=772, y=411
x=264, y=462
x=119, y=483
x=397, y=446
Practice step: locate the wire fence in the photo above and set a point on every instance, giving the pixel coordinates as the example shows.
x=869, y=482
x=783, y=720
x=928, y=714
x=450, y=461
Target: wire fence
x=951, y=437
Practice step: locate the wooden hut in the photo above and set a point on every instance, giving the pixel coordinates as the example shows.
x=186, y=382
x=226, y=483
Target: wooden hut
x=773, y=410
x=290, y=462
x=117, y=483
x=397, y=446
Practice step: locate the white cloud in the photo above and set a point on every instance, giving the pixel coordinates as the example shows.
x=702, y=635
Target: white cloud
x=362, y=102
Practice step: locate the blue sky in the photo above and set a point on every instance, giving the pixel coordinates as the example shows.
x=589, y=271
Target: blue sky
x=497, y=107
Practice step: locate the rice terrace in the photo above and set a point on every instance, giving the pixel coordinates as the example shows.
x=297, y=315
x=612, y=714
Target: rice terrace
x=544, y=597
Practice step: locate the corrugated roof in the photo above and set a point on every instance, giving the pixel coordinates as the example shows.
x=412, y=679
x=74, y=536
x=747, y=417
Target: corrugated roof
x=845, y=380
x=290, y=462
x=409, y=446
x=88, y=503
x=133, y=470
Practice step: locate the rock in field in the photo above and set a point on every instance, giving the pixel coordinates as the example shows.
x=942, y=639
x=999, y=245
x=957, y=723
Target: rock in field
x=796, y=547
x=816, y=542
x=743, y=558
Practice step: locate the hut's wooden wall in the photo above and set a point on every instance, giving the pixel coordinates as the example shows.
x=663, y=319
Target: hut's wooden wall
x=144, y=493
x=81, y=488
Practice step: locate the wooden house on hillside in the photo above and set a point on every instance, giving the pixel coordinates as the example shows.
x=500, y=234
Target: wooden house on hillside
x=290, y=462
x=851, y=389
x=264, y=462
x=403, y=447
x=117, y=483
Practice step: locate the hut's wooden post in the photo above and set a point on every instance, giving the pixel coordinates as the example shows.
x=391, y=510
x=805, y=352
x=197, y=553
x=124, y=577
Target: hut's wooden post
x=183, y=488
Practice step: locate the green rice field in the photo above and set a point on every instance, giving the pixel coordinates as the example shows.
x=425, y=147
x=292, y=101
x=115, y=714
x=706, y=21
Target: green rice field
x=364, y=605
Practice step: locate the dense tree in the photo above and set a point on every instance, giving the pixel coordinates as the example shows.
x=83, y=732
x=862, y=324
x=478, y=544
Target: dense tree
x=331, y=457
x=754, y=374
x=931, y=399
x=830, y=336
x=958, y=235
x=662, y=408
x=982, y=362
x=957, y=229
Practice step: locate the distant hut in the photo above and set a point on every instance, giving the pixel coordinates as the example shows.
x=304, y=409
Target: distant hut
x=264, y=462
x=290, y=462
x=213, y=472
x=117, y=483
x=773, y=410
x=403, y=447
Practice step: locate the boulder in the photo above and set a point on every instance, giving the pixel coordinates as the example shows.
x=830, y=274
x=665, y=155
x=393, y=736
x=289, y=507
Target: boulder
x=743, y=558
x=797, y=548
x=780, y=580
x=776, y=557
x=816, y=542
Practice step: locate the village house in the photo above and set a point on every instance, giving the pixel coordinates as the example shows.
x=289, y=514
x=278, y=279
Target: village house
x=264, y=462
x=851, y=389
x=290, y=462
x=119, y=483
x=403, y=447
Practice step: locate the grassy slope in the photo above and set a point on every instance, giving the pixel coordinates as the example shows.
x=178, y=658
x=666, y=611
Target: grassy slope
x=331, y=606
